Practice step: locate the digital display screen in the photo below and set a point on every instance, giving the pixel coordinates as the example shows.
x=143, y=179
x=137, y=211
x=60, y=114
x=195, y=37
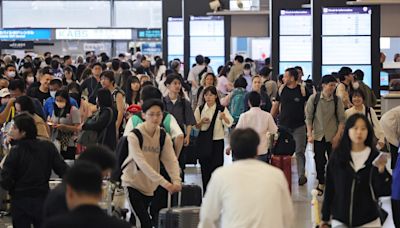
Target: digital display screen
x=346, y=50
x=260, y=48
x=25, y=34
x=295, y=48
x=384, y=92
x=149, y=33
x=367, y=69
x=384, y=78
x=207, y=38
x=295, y=22
x=346, y=21
x=175, y=38
x=307, y=68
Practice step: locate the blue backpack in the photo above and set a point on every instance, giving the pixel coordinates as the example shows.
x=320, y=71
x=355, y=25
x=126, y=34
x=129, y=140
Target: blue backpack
x=236, y=104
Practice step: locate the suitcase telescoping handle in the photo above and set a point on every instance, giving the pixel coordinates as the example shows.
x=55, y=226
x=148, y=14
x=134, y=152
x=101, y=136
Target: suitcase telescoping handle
x=169, y=202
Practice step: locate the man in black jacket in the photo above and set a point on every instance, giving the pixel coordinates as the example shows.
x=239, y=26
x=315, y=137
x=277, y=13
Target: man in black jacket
x=84, y=192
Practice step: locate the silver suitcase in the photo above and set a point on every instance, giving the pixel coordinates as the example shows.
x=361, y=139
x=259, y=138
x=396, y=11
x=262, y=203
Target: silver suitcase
x=178, y=217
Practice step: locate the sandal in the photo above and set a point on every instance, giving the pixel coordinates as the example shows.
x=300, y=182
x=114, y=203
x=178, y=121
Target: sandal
x=320, y=188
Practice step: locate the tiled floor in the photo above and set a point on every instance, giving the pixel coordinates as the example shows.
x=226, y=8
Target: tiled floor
x=301, y=195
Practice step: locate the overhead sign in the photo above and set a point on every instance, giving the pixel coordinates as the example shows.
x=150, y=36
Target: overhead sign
x=93, y=34
x=25, y=34
x=149, y=33
x=151, y=48
x=16, y=44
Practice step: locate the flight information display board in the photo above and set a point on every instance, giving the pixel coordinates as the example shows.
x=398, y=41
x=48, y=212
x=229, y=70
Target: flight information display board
x=346, y=39
x=175, y=38
x=207, y=38
x=295, y=41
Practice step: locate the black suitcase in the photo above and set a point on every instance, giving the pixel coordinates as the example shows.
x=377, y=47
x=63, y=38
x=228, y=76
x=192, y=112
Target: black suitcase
x=191, y=195
x=179, y=217
x=190, y=152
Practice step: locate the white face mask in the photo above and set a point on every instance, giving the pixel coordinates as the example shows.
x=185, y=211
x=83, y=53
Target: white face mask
x=4, y=101
x=356, y=85
x=53, y=94
x=11, y=74
x=30, y=79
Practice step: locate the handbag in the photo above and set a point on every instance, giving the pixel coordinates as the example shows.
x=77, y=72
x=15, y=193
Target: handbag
x=89, y=137
x=285, y=145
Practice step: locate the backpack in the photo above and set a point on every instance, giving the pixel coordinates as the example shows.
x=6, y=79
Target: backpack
x=368, y=114
x=316, y=101
x=122, y=152
x=165, y=123
x=285, y=145
x=236, y=104
x=200, y=75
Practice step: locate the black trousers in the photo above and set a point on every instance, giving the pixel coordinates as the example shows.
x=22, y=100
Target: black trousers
x=211, y=163
x=393, y=154
x=321, y=148
x=140, y=204
x=69, y=154
x=160, y=199
x=26, y=212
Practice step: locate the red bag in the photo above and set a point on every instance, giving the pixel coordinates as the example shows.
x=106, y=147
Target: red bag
x=284, y=163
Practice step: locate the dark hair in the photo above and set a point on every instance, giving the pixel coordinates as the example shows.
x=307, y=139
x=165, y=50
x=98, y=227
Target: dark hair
x=152, y=102
x=85, y=177
x=298, y=68
x=79, y=71
x=175, y=64
x=213, y=90
x=249, y=60
x=219, y=70
x=9, y=65
x=150, y=92
x=25, y=122
x=293, y=73
x=240, y=82
x=265, y=71
x=328, y=79
x=115, y=64
x=247, y=66
x=129, y=92
x=48, y=60
x=254, y=99
x=109, y=75
x=76, y=96
x=104, y=98
x=97, y=64
x=55, y=64
x=125, y=66
x=267, y=61
x=66, y=57
x=357, y=93
x=171, y=77
x=57, y=111
x=199, y=59
x=147, y=83
x=342, y=152
x=239, y=58
x=17, y=84
x=99, y=155
x=125, y=76
x=343, y=72
x=26, y=104
x=207, y=60
x=244, y=143
x=359, y=74
x=56, y=82
x=225, y=70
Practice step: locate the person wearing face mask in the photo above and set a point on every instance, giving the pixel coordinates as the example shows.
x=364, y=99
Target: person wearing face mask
x=48, y=107
x=65, y=122
x=42, y=92
x=29, y=78
x=10, y=72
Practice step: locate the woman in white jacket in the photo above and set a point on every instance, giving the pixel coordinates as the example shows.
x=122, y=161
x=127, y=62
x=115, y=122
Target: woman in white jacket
x=357, y=98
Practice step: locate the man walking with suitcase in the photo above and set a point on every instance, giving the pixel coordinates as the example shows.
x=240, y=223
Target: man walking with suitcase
x=248, y=193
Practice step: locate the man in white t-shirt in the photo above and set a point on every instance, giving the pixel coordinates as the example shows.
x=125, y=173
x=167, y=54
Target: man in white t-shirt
x=248, y=193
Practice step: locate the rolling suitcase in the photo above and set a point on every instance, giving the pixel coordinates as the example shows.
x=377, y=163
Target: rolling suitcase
x=179, y=217
x=191, y=195
x=284, y=162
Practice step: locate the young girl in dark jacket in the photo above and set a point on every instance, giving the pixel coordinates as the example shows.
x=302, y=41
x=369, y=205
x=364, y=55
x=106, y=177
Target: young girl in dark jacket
x=356, y=177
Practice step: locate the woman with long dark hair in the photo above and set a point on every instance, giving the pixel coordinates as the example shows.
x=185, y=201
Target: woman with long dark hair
x=356, y=177
x=211, y=118
x=65, y=122
x=132, y=91
x=103, y=121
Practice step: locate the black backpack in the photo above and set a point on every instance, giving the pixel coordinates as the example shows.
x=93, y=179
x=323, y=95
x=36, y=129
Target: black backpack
x=122, y=152
x=285, y=145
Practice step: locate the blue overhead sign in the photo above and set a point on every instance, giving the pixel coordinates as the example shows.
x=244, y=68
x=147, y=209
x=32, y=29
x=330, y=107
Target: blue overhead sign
x=25, y=34
x=149, y=33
